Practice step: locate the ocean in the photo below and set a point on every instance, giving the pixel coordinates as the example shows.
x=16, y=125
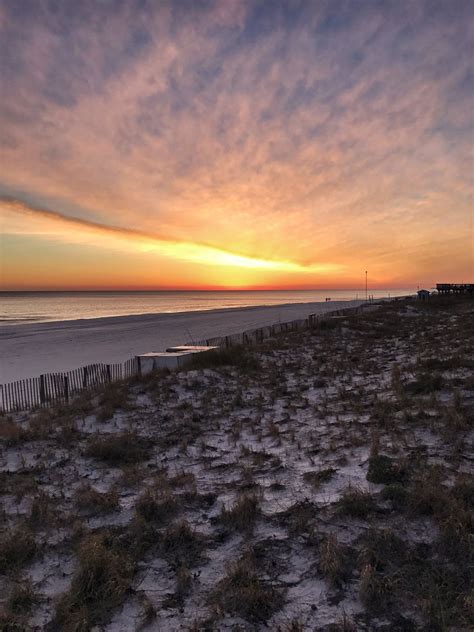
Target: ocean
x=36, y=307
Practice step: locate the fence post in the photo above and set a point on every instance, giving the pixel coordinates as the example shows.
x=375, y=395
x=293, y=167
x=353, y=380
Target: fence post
x=139, y=366
x=66, y=388
x=84, y=377
x=42, y=391
x=108, y=373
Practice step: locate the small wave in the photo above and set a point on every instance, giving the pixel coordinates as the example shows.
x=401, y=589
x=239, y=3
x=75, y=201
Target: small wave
x=16, y=319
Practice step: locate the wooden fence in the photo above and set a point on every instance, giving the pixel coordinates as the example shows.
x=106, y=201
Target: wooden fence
x=254, y=336
x=53, y=388
x=59, y=388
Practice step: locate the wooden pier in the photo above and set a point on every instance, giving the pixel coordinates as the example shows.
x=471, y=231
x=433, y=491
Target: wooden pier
x=455, y=288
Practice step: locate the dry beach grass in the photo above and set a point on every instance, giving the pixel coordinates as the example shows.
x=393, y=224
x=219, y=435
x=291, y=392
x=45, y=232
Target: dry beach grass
x=319, y=481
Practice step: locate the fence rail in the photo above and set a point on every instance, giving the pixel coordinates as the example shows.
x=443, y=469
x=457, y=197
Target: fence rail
x=59, y=388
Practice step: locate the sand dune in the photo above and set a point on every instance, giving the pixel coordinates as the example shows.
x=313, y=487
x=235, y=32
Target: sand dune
x=29, y=350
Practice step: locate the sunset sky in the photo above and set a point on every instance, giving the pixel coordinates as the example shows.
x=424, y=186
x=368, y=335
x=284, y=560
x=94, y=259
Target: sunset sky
x=236, y=144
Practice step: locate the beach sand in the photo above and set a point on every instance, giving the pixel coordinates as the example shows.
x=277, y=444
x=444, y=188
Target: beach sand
x=319, y=481
x=33, y=349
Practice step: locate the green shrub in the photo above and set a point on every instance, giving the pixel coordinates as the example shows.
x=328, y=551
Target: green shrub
x=396, y=493
x=356, y=502
x=383, y=470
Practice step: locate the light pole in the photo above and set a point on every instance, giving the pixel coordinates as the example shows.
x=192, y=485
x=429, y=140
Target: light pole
x=366, y=286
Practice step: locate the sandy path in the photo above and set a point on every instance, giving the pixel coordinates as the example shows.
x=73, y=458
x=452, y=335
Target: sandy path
x=29, y=350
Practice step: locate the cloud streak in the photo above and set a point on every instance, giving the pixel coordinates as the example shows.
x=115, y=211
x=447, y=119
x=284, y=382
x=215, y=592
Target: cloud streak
x=46, y=222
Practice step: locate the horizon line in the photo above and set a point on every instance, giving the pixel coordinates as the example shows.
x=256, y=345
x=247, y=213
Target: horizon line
x=207, y=289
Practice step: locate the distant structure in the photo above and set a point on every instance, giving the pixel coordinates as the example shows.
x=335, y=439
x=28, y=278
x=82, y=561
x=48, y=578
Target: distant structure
x=423, y=295
x=455, y=288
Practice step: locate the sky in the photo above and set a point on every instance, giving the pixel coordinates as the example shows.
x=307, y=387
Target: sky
x=236, y=144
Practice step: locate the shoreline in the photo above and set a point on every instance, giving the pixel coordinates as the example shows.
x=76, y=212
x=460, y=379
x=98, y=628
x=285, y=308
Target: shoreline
x=129, y=318
x=28, y=350
x=56, y=307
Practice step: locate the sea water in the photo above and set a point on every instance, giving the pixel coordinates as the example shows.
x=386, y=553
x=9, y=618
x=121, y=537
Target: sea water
x=35, y=307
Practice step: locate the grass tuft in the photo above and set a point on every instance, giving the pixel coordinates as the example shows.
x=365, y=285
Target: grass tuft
x=113, y=397
x=118, y=449
x=237, y=356
x=182, y=545
x=318, y=477
x=90, y=500
x=356, y=502
x=383, y=470
x=22, y=597
x=243, y=593
x=98, y=586
x=11, y=433
x=156, y=506
x=243, y=514
x=424, y=384
x=16, y=548
x=373, y=588
x=331, y=561
x=397, y=494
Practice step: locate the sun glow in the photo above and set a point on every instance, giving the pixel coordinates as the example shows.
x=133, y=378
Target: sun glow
x=214, y=257
x=158, y=259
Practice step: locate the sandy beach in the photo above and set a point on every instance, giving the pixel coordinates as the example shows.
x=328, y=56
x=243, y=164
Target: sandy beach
x=33, y=349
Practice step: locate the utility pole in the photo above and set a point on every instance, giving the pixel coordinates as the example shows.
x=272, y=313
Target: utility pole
x=366, y=286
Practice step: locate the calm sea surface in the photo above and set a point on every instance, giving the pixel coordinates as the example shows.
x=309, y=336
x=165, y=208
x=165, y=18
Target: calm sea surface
x=30, y=307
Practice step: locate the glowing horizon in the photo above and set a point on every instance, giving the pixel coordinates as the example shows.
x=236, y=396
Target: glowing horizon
x=235, y=145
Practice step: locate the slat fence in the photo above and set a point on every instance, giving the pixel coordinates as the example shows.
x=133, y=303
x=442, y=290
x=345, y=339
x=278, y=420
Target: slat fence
x=52, y=388
x=60, y=388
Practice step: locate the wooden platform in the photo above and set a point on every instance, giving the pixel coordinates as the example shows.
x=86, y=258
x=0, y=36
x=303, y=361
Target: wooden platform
x=455, y=288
